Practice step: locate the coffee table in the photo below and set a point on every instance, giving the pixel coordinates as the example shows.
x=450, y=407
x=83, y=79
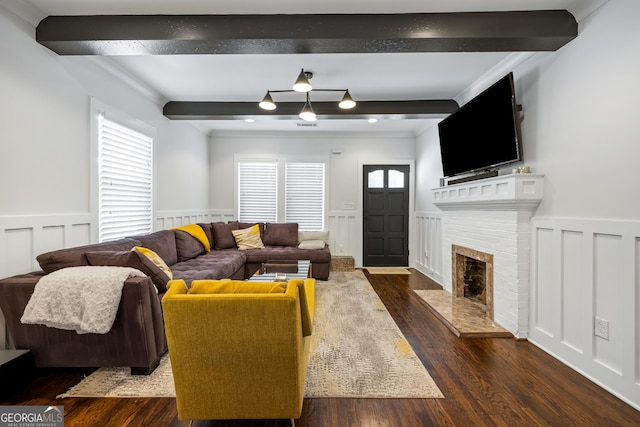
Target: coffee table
x=282, y=270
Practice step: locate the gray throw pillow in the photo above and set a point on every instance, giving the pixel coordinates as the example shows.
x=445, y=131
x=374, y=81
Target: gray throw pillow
x=222, y=235
x=281, y=234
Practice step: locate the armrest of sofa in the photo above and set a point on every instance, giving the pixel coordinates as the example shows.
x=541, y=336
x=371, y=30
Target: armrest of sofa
x=138, y=329
x=15, y=292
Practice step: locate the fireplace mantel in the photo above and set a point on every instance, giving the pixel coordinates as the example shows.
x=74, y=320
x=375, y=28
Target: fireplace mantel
x=492, y=216
x=515, y=192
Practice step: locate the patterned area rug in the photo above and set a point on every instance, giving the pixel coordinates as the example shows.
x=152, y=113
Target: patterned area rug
x=357, y=351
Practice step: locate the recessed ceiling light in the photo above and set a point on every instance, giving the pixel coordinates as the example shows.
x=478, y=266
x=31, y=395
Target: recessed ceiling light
x=372, y=120
x=249, y=120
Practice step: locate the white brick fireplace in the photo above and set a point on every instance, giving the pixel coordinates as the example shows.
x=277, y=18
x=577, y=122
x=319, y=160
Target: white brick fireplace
x=493, y=216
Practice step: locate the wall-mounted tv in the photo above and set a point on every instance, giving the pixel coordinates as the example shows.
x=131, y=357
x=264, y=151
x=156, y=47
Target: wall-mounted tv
x=484, y=133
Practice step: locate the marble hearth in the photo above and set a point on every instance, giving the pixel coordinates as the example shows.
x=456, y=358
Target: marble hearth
x=492, y=217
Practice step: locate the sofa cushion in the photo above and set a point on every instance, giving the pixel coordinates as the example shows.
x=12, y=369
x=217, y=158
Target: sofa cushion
x=208, y=229
x=227, y=286
x=222, y=235
x=281, y=234
x=288, y=253
x=311, y=244
x=75, y=257
x=248, y=238
x=212, y=265
x=162, y=243
x=313, y=235
x=187, y=246
x=132, y=259
x=198, y=233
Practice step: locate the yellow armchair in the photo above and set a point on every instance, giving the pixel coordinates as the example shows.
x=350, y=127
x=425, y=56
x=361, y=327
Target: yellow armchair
x=239, y=350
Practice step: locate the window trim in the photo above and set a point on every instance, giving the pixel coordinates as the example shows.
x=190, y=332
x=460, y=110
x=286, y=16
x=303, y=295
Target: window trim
x=237, y=184
x=98, y=108
x=282, y=160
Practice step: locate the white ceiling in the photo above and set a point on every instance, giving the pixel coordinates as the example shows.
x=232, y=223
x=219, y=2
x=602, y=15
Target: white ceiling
x=247, y=77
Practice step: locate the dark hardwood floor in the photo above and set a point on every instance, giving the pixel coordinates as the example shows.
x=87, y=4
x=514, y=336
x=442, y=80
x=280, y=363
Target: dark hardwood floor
x=486, y=382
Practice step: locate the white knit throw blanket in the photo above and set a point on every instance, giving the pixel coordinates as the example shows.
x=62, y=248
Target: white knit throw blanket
x=81, y=299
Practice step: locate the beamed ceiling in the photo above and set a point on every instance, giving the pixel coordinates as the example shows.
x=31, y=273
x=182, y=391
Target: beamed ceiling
x=214, y=68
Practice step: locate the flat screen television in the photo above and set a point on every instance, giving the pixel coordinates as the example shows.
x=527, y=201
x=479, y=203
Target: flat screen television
x=484, y=133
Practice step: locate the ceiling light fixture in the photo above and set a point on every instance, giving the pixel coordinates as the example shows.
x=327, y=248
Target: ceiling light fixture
x=302, y=82
x=302, y=85
x=307, y=112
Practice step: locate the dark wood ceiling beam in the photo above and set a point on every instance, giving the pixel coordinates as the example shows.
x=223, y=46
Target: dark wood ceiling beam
x=545, y=30
x=420, y=109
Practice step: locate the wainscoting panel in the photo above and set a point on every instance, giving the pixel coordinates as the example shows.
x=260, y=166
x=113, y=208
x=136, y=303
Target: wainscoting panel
x=344, y=234
x=172, y=219
x=586, y=280
x=22, y=238
x=427, y=255
x=573, y=289
x=546, y=295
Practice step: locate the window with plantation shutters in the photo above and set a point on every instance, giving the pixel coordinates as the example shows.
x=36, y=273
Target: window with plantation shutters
x=125, y=177
x=258, y=191
x=304, y=195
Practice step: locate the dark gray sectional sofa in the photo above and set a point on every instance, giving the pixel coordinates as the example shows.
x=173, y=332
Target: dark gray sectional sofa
x=137, y=338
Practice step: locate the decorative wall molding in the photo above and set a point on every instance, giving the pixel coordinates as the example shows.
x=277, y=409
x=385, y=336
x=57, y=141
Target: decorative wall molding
x=165, y=220
x=583, y=269
x=427, y=255
x=344, y=234
x=24, y=237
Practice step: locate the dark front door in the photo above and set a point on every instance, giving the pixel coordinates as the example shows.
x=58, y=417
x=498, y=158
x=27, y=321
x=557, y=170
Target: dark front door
x=386, y=216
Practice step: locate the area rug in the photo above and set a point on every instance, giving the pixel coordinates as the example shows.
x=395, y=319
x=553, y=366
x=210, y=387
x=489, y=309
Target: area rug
x=357, y=351
x=388, y=270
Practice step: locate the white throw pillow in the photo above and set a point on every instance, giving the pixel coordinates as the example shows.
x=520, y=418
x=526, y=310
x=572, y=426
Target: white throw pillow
x=311, y=244
x=313, y=235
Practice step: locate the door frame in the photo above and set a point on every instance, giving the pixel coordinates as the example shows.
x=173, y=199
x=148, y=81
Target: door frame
x=412, y=166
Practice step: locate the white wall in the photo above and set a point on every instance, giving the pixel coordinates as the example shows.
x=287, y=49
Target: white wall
x=343, y=203
x=580, y=131
x=581, y=124
x=343, y=168
x=428, y=168
x=45, y=148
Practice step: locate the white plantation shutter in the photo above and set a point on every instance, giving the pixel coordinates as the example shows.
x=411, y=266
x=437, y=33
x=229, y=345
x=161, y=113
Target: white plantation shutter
x=304, y=193
x=125, y=181
x=257, y=191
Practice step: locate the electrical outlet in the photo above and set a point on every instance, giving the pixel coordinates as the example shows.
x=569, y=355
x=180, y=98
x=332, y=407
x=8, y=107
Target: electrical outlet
x=602, y=328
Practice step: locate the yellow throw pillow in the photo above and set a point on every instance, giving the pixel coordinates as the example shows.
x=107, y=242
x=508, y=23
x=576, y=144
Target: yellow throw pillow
x=248, y=238
x=198, y=233
x=155, y=258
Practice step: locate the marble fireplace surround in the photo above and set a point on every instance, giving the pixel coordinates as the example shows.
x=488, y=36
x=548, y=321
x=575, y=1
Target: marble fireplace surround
x=458, y=253
x=493, y=216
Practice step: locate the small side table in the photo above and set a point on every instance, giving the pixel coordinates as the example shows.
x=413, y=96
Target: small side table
x=16, y=370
